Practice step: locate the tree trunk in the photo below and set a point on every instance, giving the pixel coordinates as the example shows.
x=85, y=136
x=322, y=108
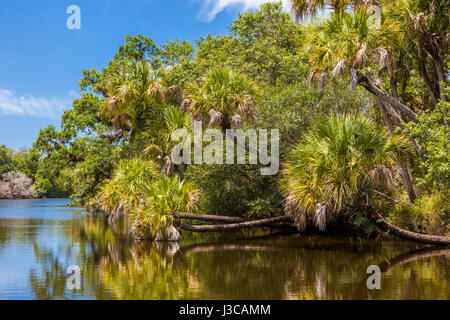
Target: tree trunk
x=234, y=226
x=407, y=181
x=383, y=225
x=369, y=84
x=442, y=74
x=209, y=218
x=393, y=82
x=426, y=79
x=403, y=168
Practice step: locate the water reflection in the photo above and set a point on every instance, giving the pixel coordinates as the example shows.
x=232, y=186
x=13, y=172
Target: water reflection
x=255, y=266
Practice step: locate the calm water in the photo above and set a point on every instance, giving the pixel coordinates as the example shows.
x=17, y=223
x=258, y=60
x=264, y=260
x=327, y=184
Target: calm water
x=40, y=239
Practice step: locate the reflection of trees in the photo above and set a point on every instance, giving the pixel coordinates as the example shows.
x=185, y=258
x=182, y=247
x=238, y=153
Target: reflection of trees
x=149, y=271
x=319, y=270
x=279, y=269
x=399, y=278
x=50, y=283
x=249, y=266
x=416, y=273
x=11, y=231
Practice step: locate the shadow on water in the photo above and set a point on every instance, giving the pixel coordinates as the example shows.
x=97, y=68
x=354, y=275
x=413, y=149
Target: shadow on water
x=244, y=265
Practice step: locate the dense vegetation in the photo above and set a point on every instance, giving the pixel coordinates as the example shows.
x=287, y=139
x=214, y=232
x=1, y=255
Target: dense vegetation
x=23, y=160
x=360, y=107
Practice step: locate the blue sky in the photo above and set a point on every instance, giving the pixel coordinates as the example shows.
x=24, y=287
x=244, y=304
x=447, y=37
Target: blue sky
x=41, y=59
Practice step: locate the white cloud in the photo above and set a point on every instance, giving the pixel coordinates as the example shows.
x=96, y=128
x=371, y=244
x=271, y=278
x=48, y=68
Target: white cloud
x=212, y=7
x=52, y=107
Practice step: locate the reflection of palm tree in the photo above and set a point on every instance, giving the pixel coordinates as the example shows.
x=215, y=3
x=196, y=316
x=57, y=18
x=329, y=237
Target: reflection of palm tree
x=291, y=267
x=50, y=283
x=148, y=274
x=413, y=255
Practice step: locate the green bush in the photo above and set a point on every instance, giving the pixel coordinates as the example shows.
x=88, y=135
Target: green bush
x=430, y=214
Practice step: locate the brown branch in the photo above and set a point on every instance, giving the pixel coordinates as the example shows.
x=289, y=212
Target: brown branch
x=210, y=218
x=367, y=81
x=383, y=225
x=234, y=226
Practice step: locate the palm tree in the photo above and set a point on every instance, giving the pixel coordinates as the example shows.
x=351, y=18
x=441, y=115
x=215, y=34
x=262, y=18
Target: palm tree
x=158, y=136
x=309, y=8
x=119, y=194
x=224, y=96
x=423, y=28
x=162, y=199
x=347, y=44
x=132, y=90
x=150, y=199
x=341, y=161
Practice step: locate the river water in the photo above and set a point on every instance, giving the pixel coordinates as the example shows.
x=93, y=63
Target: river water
x=41, y=239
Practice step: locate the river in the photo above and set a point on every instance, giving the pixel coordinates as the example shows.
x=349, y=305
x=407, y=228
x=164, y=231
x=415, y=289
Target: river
x=41, y=239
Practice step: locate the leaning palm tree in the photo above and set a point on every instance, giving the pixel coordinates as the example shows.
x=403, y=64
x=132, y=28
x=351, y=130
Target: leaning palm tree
x=121, y=193
x=134, y=89
x=224, y=97
x=341, y=162
x=137, y=189
x=162, y=199
x=347, y=44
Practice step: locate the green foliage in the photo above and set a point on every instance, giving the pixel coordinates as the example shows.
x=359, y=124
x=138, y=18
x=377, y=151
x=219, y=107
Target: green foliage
x=138, y=189
x=432, y=134
x=430, y=214
x=292, y=109
x=337, y=160
x=6, y=160
x=235, y=190
x=24, y=160
x=259, y=71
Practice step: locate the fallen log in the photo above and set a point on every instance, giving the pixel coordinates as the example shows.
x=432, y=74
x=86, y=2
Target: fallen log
x=209, y=218
x=233, y=226
x=383, y=225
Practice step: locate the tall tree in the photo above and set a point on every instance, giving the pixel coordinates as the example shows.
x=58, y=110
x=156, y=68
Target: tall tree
x=346, y=43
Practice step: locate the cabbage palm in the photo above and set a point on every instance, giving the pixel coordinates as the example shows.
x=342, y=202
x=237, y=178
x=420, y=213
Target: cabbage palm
x=119, y=194
x=163, y=198
x=150, y=199
x=158, y=136
x=134, y=89
x=342, y=161
x=309, y=8
x=347, y=44
x=337, y=161
x=224, y=97
x=423, y=27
